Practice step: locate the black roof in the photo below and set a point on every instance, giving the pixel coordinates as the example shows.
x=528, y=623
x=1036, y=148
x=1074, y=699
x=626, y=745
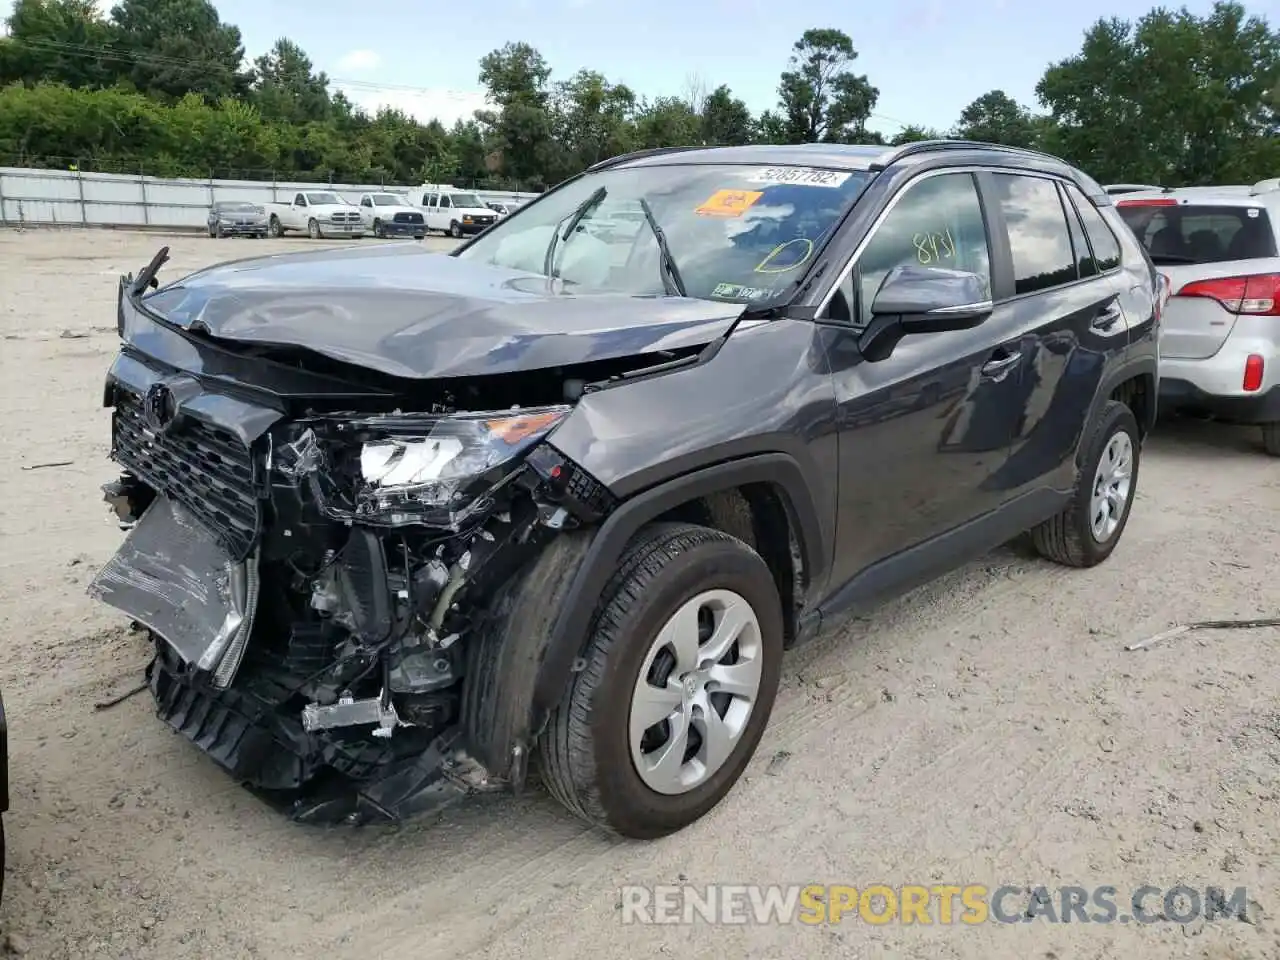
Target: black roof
x=865, y=157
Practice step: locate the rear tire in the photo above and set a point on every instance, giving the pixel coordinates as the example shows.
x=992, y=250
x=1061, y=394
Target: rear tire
x=589, y=751
x=1271, y=438
x=1072, y=538
x=274, y=228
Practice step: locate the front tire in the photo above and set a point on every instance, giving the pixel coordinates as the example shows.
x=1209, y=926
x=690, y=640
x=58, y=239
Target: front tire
x=313, y=230
x=455, y=230
x=1086, y=533
x=377, y=229
x=682, y=666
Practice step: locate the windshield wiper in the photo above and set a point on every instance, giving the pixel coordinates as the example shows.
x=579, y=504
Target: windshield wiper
x=671, y=280
x=576, y=218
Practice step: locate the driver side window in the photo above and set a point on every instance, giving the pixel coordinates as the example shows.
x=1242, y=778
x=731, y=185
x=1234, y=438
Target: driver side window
x=937, y=222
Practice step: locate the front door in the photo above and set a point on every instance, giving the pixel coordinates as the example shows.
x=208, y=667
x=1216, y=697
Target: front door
x=923, y=431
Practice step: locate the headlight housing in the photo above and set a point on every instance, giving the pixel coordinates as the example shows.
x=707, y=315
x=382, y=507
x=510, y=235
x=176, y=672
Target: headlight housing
x=401, y=470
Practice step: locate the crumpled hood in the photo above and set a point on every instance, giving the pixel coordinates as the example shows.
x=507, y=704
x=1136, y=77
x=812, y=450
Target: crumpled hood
x=408, y=313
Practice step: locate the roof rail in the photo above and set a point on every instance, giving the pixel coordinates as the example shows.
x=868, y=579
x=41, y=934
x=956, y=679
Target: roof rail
x=1266, y=186
x=928, y=146
x=637, y=154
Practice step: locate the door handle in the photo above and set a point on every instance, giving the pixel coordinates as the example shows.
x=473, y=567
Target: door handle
x=997, y=367
x=1107, y=319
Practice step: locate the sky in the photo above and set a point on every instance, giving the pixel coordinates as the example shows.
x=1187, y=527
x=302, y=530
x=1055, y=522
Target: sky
x=929, y=58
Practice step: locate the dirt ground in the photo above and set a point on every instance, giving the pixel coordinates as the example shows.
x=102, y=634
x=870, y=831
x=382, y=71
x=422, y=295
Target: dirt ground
x=988, y=729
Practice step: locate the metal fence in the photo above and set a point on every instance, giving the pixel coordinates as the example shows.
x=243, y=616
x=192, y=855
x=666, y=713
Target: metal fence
x=73, y=198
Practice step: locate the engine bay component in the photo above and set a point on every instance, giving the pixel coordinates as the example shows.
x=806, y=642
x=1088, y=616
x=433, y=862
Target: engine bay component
x=349, y=712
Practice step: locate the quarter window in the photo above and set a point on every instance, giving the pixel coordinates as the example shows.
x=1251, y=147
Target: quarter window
x=1038, y=235
x=1106, y=248
x=937, y=222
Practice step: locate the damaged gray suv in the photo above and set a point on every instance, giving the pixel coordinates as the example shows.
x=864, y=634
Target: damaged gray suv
x=406, y=526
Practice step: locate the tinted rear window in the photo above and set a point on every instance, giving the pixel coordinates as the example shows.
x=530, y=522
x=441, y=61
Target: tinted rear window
x=1200, y=233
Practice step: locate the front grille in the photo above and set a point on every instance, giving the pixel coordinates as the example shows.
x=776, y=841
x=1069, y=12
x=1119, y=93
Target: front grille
x=205, y=468
x=344, y=217
x=482, y=220
x=407, y=218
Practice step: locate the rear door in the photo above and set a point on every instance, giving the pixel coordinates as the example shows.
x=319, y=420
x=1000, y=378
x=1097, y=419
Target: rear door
x=1205, y=245
x=1066, y=304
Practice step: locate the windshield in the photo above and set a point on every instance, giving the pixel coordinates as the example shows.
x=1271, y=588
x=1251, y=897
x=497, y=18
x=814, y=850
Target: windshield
x=314, y=198
x=1176, y=233
x=237, y=208
x=387, y=200
x=466, y=200
x=738, y=233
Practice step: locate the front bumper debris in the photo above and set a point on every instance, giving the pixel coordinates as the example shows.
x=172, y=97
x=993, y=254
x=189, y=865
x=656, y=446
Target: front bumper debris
x=174, y=578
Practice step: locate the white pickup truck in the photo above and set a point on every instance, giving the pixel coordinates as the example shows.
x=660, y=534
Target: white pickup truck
x=391, y=215
x=451, y=210
x=321, y=213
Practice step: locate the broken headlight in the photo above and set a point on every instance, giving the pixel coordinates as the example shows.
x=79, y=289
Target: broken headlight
x=402, y=469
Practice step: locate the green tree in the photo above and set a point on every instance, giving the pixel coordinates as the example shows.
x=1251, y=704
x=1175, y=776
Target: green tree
x=591, y=120
x=667, y=122
x=55, y=41
x=726, y=119
x=819, y=96
x=516, y=73
x=286, y=86
x=1174, y=98
x=913, y=134
x=995, y=117
x=178, y=47
x=516, y=78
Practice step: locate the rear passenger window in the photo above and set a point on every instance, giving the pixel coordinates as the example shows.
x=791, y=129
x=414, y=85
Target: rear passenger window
x=1038, y=235
x=1106, y=248
x=1079, y=245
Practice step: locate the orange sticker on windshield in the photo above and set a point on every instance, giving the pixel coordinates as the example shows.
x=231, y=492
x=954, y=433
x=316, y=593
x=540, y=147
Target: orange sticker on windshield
x=728, y=203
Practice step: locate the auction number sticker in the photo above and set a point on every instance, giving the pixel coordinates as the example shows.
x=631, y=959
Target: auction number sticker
x=798, y=176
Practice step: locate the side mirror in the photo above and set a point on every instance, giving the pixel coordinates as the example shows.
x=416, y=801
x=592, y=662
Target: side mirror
x=916, y=299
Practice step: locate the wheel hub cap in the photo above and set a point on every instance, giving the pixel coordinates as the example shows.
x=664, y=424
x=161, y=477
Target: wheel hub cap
x=698, y=684
x=1112, y=485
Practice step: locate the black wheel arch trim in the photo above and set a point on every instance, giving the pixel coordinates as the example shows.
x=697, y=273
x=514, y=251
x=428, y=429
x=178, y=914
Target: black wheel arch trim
x=1146, y=366
x=569, y=633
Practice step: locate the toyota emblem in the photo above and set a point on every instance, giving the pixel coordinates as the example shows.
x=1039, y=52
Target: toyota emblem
x=160, y=408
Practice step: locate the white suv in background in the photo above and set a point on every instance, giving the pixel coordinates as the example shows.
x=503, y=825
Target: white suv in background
x=1220, y=344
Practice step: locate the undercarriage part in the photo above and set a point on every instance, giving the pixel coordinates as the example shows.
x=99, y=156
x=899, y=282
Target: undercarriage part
x=411, y=787
x=315, y=777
